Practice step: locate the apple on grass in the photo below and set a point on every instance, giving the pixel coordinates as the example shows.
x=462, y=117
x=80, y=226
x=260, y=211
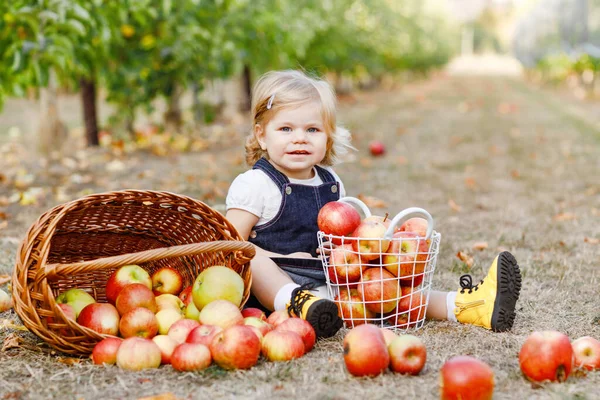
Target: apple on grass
x=181, y=329
x=466, y=378
x=76, y=298
x=410, y=309
x=166, y=280
x=277, y=317
x=303, y=328
x=254, y=312
x=166, y=318
x=221, y=313
x=169, y=300
x=5, y=301
x=406, y=258
x=237, y=347
x=139, y=322
x=124, y=276
x=100, y=317
x=407, y=354
x=587, y=353
x=105, y=351
x=135, y=295
x=345, y=265
x=351, y=308
x=376, y=148
x=217, y=283
x=338, y=219
x=136, y=353
x=282, y=346
x=191, y=357
x=262, y=325
x=388, y=336
x=365, y=351
x=167, y=345
x=203, y=334
x=370, y=243
x=546, y=356
x=380, y=289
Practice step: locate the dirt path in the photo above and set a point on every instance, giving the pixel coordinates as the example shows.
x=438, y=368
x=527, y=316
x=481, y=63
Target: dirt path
x=492, y=159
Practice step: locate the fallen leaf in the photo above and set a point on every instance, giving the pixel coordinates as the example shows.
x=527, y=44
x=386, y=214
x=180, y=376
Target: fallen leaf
x=372, y=202
x=480, y=245
x=8, y=324
x=69, y=360
x=144, y=380
x=12, y=341
x=4, y=201
x=455, y=207
x=162, y=396
x=591, y=240
x=470, y=183
x=401, y=131
x=466, y=258
x=591, y=191
x=595, y=212
x=3, y=224
x=515, y=173
x=3, y=215
x=564, y=217
x=365, y=162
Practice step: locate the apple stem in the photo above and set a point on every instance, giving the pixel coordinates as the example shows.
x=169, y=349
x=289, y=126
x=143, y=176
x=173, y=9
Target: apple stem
x=385, y=217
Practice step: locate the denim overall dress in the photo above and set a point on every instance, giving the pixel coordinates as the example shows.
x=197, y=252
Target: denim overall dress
x=294, y=228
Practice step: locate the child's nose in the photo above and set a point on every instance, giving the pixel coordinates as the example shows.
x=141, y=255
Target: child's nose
x=299, y=135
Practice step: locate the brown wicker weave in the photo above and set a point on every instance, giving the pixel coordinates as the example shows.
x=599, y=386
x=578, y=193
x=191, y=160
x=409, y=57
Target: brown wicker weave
x=80, y=243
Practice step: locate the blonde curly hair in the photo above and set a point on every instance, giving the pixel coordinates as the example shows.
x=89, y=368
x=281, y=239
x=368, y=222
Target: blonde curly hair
x=293, y=88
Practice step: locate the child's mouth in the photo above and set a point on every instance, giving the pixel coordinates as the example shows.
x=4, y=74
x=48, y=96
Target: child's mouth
x=299, y=152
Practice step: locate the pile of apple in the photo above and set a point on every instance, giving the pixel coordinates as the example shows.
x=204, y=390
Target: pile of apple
x=377, y=279
x=160, y=322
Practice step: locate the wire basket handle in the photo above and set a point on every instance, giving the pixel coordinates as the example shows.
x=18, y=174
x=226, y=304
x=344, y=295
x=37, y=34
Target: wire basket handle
x=245, y=251
x=404, y=215
x=357, y=202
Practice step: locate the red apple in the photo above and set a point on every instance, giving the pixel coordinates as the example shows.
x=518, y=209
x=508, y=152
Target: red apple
x=415, y=225
x=217, y=283
x=166, y=318
x=5, y=301
x=282, y=346
x=181, y=329
x=410, y=309
x=237, y=347
x=388, y=335
x=338, y=219
x=100, y=317
x=303, y=328
x=166, y=280
x=139, y=322
x=262, y=325
x=376, y=148
x=546, y=356
x=254, y=312
x=203, y=334
x=406, y=258
x=69, y=312
x=365, y=351
x=135, y=295
x=221, y=313
x=167, y=345
x=587, y=353
x=277, y=317
x=351, y=308
x=466, y=378
x=186, y=295
x=136, y=353
x=407, y=354
x=105, y=351
x=123, y=277
x=371, y=243
x=76, y=298
x=344, y=265
x=380, y=290
x=191, y=357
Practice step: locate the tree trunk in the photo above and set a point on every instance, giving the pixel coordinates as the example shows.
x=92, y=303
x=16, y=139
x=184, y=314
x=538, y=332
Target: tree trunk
x=173, y=118
x=197, y=104
x=246, y=105
x=88, y=100
x=52, y=132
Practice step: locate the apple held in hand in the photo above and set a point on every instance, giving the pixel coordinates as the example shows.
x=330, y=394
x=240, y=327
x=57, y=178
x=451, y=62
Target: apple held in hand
x=546, y=356
x=136, y=354
x=166, y=280
x=237, y=347
x=135, y=295
x=217, y=283
x=406, y=257
x=100, y=317
x=124, y=276
x=139, y=322
x=466, y=378
x=365, y=351
x=587, y=353
x=191, y=357
x=351, y=308
x=338, y=219
x=371, y=243
x=105, y=351
x=407, y=354
x=76, y=298
x=282, y=345
x=380, y=289
x=344, y=265
x=303, y=328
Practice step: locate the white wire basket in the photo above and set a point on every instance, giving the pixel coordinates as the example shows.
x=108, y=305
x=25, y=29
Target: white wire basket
x=383, y=281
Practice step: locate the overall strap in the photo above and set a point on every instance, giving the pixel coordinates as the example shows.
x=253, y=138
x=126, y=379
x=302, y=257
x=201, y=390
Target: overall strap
x=280, y=179
x=326, y=176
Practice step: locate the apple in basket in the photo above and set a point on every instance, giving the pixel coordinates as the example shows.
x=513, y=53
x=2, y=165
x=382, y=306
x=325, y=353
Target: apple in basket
x=203, y=334
x=167, y=345
x=344, y=265
x=303, y=328
x=105, y=351
x=191, y=357
x=185, y=294
x=218, y=283
x=406, y=258
x=282, y=346
x=407, y=354
x=136, y=353
x=465, y=377
x=237, y=347
x=76, y=298
x=181, y=329
x=139, y=322
x=221, y=313
x=384, y=220
x=546, y=356
x=352, y=308
x=135, y=295
x=166, y=318
x=69, y=313
x=5, y=301
x=123, y=277
x=380, y=289
x=410, y=309
x=365, y=351
x=100, y=317
x=169, y=300
x=371, y=243
x=166, y=280
x=587, y=353
x=416, y=225
x=338, y=218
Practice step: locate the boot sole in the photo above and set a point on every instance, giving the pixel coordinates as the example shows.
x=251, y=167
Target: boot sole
x=509, y=288
x=324, y=318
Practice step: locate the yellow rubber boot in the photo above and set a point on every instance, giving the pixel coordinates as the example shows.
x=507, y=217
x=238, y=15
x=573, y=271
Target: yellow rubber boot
x=321, y=313
x=491, y=302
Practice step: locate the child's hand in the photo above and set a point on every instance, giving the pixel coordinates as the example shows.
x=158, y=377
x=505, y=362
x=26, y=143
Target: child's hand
x=300, y=254
x=327, y=247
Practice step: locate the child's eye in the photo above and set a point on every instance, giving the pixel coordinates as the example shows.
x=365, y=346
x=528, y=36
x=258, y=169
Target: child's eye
x=286, y=129
x=312, y=130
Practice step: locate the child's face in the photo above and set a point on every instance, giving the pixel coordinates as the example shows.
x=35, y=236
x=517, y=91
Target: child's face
x=295, y=140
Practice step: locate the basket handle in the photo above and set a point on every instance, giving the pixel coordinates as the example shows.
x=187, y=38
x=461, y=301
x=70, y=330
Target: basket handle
x=357, y=202
x=245, y=251
x=403, y=216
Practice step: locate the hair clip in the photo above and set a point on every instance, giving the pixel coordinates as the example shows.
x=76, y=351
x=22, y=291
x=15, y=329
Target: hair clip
x=270, y=102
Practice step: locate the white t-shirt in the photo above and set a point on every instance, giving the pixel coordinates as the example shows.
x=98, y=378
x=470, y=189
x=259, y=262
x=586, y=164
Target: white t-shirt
x=255, y=192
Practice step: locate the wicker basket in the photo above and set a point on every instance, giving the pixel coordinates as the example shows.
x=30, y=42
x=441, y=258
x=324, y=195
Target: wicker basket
x=80, y=243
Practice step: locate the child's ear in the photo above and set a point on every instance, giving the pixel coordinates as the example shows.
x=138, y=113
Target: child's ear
x=259, y=134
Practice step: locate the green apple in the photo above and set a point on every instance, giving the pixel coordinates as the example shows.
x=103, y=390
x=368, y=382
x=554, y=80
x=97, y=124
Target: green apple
x=217, y=283
x=76, y=298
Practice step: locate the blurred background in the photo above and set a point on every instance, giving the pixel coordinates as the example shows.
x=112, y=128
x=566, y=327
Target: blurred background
x=141, y=73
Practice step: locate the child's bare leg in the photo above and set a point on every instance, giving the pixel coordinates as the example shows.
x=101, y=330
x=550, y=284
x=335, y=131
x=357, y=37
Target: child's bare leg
x=437, y=307
x=267, y=280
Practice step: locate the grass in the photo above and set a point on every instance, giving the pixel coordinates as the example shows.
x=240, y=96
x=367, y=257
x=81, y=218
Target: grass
x=559, y=268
